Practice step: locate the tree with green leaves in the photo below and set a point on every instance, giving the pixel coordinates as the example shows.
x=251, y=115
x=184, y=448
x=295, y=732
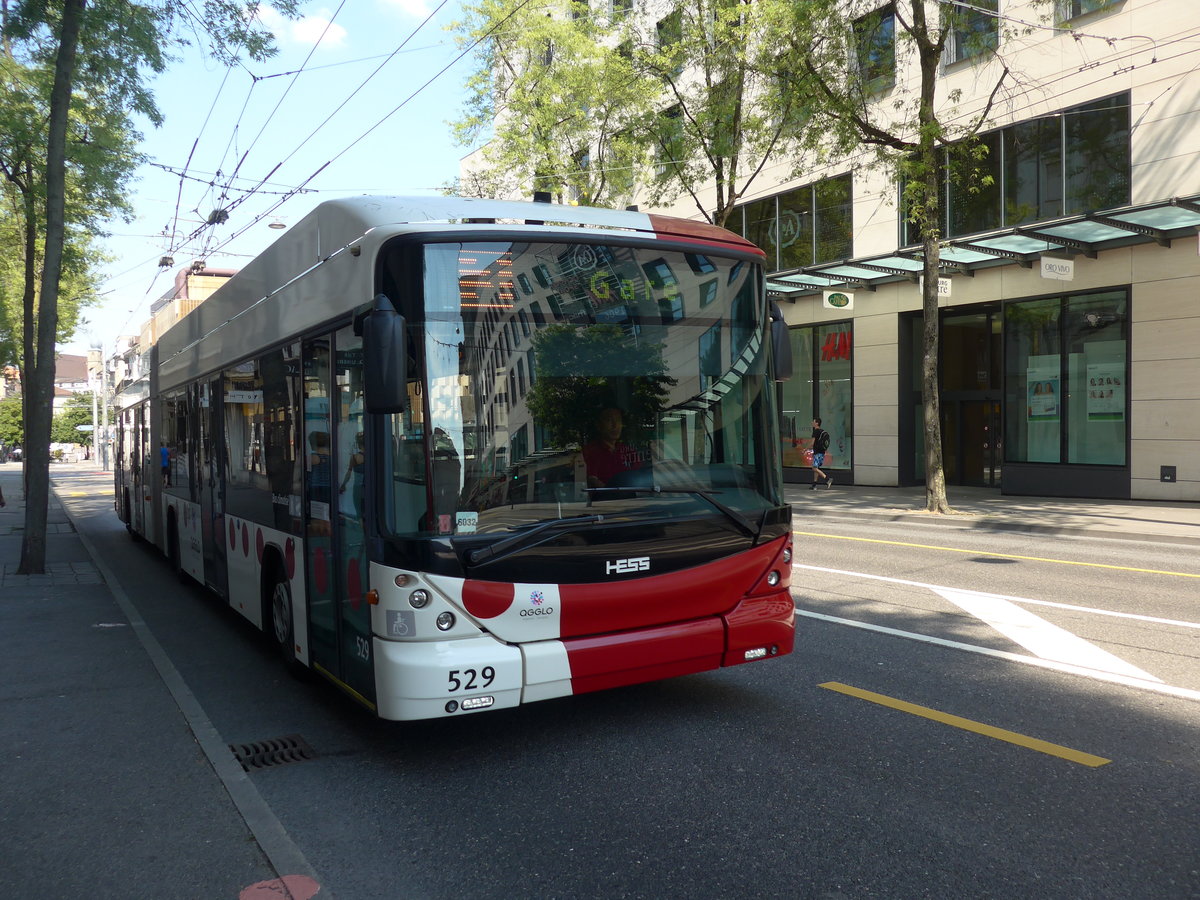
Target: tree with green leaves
x=720, y=113
x=872, y=75
x=608, y=106
x=12, y=422
x=557, y=98
x=99, y=164
x=64, y=428
x=86, y=63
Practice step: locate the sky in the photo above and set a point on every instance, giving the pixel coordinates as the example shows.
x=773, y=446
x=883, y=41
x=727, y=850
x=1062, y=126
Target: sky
x=347, y=107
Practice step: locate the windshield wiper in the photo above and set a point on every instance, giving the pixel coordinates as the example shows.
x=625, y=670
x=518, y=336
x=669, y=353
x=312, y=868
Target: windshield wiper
x=509, y=545
x=704, y=494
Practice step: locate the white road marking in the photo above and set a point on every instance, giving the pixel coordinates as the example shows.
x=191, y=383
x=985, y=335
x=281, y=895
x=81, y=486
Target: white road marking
x=1044, y=639
x=1157, y=687
x=1087, y=609
x=1049, y=642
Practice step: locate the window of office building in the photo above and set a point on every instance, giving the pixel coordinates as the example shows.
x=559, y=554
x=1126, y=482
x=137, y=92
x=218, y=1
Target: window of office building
x=821, y=386
x=875, y=41
x=1096, y=147
x=974, y=31
x=975, y=187
x=801, y=227
x=1065, y=164
x=1071, y=9
x=1066, y=379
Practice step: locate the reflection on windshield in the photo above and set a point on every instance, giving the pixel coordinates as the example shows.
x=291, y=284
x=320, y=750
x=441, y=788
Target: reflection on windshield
x=554, y=370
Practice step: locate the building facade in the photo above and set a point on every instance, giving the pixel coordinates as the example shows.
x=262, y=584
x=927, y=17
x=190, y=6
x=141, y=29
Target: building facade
x=1070, y=288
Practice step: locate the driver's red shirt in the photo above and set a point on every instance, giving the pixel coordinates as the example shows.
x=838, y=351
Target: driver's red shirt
x=603, y=463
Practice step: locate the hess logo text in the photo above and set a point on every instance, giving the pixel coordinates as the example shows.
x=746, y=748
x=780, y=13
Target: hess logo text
x=624, y=566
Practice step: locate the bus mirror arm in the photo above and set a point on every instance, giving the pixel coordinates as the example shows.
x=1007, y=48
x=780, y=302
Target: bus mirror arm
x=781, y=344
x=385, y=358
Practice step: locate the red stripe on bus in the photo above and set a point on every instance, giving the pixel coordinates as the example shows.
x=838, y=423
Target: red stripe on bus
x=707, y=590
x=613, y=660
x=700, y=232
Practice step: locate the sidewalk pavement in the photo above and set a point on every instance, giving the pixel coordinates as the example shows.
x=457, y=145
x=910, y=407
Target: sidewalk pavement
x=112, y=785
x=986, y=509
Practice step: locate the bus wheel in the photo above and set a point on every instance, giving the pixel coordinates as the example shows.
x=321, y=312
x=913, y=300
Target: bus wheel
x=173, y=551
x=129, y=520
x=278, y=618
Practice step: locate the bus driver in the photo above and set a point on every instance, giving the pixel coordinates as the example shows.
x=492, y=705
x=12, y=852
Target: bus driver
x=606, y=454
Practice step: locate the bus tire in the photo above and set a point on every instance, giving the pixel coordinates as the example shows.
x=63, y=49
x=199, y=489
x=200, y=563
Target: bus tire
x=279, y=616
x=136, y=538
x=173, y=551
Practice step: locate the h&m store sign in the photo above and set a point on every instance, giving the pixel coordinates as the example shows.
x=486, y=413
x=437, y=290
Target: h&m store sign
x=837, y=346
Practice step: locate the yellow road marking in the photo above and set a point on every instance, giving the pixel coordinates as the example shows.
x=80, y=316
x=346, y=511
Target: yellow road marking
x=1012, y=737
x=1062, y=562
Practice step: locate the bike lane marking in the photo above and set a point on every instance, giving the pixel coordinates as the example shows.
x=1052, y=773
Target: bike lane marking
x=1001, y=734
x=1063, y=562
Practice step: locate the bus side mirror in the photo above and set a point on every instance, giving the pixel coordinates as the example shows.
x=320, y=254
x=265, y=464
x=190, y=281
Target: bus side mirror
x=781, y=345
x=385, y=382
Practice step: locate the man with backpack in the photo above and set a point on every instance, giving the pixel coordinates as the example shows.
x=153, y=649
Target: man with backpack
x=820, y=443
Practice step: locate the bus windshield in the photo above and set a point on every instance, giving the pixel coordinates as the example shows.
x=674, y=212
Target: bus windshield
x=561, y=381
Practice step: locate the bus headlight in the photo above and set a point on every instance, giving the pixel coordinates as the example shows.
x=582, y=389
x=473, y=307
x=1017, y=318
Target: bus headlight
x=418, y=599
x=445, y=621
x=773, y=578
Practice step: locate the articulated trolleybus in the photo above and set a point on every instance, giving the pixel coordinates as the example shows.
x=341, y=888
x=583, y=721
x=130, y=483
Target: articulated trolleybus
x=459, y=455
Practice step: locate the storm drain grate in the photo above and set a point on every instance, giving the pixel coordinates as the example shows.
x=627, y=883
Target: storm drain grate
x=276, y=752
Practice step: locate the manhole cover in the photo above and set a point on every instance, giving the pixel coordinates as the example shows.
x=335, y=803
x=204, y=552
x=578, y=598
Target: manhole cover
x=275, y=752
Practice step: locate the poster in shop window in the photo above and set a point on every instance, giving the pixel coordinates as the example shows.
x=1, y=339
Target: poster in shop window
x=1042, y=395
x=1105, y=392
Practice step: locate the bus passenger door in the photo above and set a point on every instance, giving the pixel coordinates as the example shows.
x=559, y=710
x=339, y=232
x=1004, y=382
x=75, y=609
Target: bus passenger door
x=317, y=450
x=335, y=558
x=212, y=506
x=354, y=613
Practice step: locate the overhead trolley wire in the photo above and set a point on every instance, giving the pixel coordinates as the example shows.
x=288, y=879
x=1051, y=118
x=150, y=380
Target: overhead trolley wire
x=469, y=48
x=248, y=193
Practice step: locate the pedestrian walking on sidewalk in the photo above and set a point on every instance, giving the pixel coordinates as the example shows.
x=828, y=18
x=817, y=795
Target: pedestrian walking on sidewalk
x=820, y=444
x=2, y=497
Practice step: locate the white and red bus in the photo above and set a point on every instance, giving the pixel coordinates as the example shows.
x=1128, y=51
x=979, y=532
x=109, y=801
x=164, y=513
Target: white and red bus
x=458, y=454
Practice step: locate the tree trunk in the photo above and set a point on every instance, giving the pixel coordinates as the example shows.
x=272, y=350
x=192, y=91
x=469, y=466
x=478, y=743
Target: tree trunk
x=28, y=302
x=935, y=474
x=930, y=217
x=41, y=390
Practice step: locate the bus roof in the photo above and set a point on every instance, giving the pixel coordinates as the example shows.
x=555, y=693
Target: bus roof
x=362, y=214
x=249, y=306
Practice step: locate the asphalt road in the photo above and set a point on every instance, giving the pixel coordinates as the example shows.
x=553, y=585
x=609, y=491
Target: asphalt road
x=806, y=777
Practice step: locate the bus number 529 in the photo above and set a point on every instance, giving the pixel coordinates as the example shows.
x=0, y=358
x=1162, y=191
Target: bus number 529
x=488, y=674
